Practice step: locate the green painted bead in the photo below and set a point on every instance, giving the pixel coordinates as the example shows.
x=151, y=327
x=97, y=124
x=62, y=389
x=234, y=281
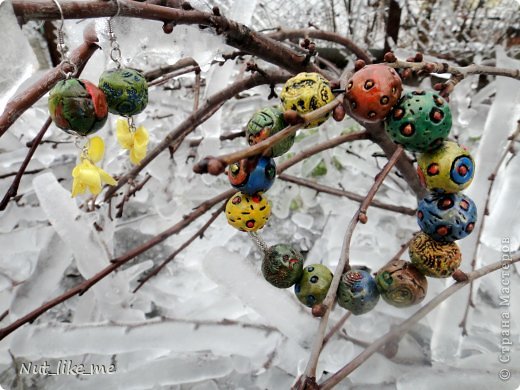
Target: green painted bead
x=307, y=92
x=401, y=284
x=78, y=106
x=314, y=284
x=282, y=266
x=265, y=123
x=126, y=91
x=357, y=292
x=447, y=169
x=434, y=258
x=420, y=121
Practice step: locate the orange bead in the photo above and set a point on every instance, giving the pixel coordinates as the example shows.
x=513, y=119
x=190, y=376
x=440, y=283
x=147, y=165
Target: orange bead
x=372, y=92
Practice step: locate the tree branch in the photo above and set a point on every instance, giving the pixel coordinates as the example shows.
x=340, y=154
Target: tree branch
x=398, y=331
x=359, y=216
x=261, y=147
x=199, y=233
x=325, y=36
x=195, y=119
x=21, y=102
x=347, y=194
x=236, y=34
x=116, y=263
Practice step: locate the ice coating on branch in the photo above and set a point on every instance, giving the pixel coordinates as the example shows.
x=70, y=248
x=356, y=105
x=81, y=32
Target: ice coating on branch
x=245, y=281
x=500, y=123
x=87, y=247
x=18, y=59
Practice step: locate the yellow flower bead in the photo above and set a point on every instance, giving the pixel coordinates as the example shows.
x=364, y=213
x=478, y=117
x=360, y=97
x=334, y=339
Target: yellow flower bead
x=248, y=213
x=96, y=149
x=87, y=176
x=136, y=142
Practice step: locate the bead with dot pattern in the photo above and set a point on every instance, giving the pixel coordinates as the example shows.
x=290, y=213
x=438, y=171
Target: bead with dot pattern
x=447, y=169
x=312, y=288
x=248, y=213
x=252, y=175
x=446, y=217
x=372, y=91
x=357, y=292
x=420, y=121
x=265, y=123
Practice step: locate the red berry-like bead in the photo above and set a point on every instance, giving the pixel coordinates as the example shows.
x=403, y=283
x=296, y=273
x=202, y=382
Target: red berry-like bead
x=372, y=92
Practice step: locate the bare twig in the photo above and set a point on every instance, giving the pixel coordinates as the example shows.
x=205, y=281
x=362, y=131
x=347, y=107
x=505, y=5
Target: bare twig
x=262, y=146
x=236, y=34
x=347, y=194
x=131, y=192
x=337, y=326
x=323, y=35
x=13, y=189
x=168, y=76
x=359, y=216
x=116, y=263
x=194, y=120
x=458, y=73
x=199, y=234
x=332, y=143
x=398, y=331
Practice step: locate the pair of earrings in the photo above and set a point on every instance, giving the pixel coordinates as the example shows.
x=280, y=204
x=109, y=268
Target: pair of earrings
x=81, y=108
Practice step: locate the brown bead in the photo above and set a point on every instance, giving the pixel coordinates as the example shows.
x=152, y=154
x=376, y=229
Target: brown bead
x=401, y=284
x=216, y=167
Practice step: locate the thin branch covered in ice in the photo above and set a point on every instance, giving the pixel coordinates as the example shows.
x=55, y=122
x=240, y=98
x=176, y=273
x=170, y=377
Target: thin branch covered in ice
x=324, y=309
x=26, y=99
x=398, y=331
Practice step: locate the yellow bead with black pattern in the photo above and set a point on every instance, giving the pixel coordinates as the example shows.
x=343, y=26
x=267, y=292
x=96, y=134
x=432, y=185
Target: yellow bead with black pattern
x=248, y=213
x=307, y=92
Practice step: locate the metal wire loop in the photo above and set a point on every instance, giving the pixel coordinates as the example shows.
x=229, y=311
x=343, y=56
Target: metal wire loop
x=260, y=243
x=115, y=51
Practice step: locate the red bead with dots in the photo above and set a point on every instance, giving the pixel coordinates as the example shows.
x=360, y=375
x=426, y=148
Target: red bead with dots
x=372, y=92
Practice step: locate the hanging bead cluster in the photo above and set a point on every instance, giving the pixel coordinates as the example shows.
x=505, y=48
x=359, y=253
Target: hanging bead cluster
x=81, y=108
x=420, y=122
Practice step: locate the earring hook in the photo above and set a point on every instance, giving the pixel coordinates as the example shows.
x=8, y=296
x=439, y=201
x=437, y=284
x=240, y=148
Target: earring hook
x=115, y=51
x=62, y=49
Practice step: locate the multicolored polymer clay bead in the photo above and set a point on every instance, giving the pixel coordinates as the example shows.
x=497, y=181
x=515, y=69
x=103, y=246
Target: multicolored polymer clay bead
x=420, y=121
x=307, y=92
x=372, y=92
x=401, y=284
x=248, y=213
x=433, y=258
x=78, y=106
x=447, y=169
x=126, y=91
x=312, y=288
x=282, y=266
x=357, y=292
x=265, y=123
x=446, y=217
x=252, y=175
